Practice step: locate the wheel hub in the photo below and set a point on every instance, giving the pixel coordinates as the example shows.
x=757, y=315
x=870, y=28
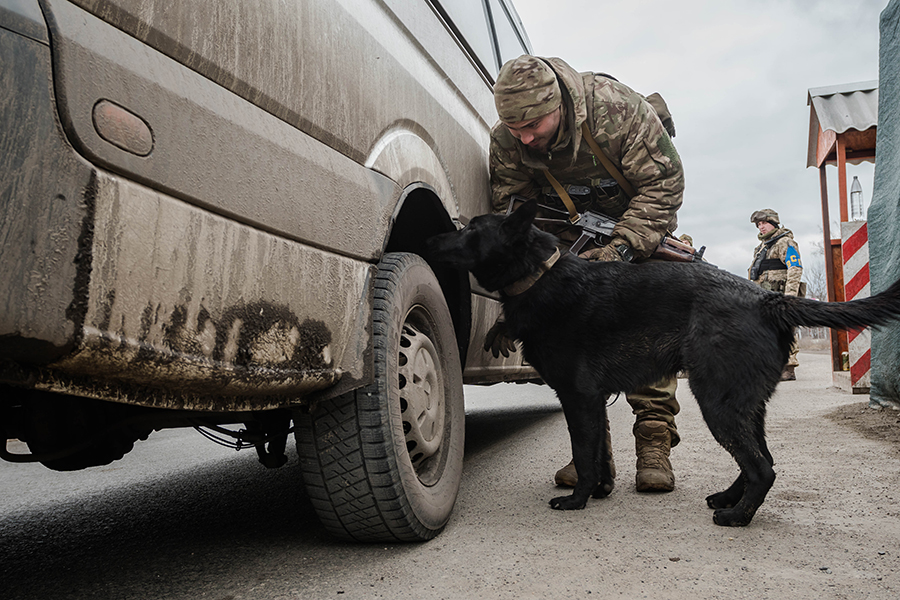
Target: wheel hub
x=421, y=395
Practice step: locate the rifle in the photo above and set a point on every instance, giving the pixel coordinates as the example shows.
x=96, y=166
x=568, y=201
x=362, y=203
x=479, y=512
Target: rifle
x=598, y=228
x=672, y=249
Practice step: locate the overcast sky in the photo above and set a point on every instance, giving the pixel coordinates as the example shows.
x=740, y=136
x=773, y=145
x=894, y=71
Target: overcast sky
x=735, y=76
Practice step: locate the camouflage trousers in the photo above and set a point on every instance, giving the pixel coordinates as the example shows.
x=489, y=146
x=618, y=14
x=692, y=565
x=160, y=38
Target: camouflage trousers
x=795, y=348
x=657, y=403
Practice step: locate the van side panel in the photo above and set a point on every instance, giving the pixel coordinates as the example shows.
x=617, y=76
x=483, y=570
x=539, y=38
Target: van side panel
x=205, y=314
x=212, y=147
x=293, y=60
x=263, y=136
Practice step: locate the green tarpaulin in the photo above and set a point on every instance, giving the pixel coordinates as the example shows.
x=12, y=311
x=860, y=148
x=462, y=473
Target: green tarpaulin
x=884, y=212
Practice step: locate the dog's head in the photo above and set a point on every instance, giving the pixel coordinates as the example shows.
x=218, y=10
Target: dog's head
x=496, y=249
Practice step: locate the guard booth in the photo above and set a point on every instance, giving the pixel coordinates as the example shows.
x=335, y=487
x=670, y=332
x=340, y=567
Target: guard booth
x=843, y=121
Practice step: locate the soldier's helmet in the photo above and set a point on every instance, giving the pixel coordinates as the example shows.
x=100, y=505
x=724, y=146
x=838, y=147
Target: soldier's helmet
x=766, y=214
x=526, y=89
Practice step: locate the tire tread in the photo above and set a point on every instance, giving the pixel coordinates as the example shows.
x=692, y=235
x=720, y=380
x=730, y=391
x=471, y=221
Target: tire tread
x=344, y=458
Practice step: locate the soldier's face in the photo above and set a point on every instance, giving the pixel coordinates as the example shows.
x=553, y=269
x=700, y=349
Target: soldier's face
x=537, y=133
x=764, y=227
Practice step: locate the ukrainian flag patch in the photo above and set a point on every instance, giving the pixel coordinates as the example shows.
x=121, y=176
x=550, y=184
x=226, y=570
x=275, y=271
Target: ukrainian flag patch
x=792, y=258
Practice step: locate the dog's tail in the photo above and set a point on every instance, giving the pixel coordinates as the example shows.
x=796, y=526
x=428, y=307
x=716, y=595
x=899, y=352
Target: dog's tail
x=855, y=314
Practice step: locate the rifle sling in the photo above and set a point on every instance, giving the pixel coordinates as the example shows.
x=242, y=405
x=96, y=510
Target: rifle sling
x=564, y=196
x=607, y=164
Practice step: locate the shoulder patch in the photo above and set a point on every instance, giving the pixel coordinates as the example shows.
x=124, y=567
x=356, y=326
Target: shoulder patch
x=792, y=258
x=668, y=148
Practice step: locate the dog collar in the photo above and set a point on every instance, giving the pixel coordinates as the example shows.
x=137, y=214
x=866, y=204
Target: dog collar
x=522, y=285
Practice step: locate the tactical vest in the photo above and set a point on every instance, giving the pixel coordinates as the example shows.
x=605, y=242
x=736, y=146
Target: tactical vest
x=762, y=264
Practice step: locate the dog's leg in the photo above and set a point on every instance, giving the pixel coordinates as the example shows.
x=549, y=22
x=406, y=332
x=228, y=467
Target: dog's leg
x=586, y=419
x=759, y=478
x=606, y=468
x=757, y=475
x=730, y=497
x=733, y=404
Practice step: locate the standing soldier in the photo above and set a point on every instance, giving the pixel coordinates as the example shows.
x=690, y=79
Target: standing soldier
x=776, y=267
x=550, y=116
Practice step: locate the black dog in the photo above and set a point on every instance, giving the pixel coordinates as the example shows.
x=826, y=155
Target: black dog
x=595, y=328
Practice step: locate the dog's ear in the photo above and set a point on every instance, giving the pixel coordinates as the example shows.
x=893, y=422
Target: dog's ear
x=519, y=222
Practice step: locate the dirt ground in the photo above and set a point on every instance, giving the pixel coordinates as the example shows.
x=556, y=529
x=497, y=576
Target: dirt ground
x=829, y=529
x=881, y=425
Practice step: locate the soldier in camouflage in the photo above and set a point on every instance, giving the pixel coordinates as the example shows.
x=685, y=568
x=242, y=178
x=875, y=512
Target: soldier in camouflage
x=542, y=104
x=776, y=267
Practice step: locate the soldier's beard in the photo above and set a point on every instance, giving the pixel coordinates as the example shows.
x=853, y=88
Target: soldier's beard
x=541, y=146
x=544, y=144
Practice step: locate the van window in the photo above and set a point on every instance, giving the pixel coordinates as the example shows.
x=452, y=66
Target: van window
x=509, y=43
x=470, y=20
x=490, y=28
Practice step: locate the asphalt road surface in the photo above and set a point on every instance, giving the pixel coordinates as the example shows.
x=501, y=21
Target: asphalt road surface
x=182, y=518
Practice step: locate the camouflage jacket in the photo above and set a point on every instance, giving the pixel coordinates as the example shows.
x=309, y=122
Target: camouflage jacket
x=782, y=250
x=629, y=132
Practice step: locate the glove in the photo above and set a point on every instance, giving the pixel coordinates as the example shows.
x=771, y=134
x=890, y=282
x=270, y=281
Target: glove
x=498, y=341
x=603, y=253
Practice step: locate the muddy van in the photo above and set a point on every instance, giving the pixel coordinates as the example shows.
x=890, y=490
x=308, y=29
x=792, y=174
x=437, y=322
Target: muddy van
x=214, y=216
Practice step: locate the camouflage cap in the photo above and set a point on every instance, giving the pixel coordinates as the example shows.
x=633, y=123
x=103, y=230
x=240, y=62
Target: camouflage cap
x=526, y=89
x=766, y=214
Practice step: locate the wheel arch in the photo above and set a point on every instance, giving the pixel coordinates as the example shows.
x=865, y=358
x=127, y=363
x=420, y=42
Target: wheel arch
x=419, y=215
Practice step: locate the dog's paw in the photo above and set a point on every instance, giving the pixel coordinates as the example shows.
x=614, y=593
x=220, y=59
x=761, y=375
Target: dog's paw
x=730, y=517
x=724, y=499
x=603, y=489
x=567, y=503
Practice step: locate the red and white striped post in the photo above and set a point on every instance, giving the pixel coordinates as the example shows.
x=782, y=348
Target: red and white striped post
x=855, y=251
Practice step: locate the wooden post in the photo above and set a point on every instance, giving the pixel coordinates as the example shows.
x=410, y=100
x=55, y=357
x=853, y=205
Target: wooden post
x=826, y=234
x=830, y=281
x=839, y=342
x=842, y=178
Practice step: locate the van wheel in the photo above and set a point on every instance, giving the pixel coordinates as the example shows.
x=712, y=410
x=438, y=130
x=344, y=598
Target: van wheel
x=384, y=463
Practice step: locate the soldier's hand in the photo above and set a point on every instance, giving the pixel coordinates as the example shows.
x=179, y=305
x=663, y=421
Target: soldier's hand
x=603, y=253
x=498, y=342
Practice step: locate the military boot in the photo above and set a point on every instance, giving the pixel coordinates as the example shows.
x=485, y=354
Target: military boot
x=788, y=374
x=651, y=443
x=568, y=476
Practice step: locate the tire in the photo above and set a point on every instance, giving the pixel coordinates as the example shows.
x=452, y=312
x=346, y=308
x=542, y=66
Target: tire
x=384, y=463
